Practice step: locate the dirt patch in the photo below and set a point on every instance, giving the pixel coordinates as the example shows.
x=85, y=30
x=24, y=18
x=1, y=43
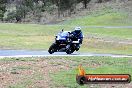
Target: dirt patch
x=30, y=74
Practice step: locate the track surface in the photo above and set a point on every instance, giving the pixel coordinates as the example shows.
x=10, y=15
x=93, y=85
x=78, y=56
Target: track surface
x=29, y=53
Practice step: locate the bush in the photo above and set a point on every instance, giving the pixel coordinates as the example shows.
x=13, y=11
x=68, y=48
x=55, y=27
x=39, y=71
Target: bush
x=11, y=16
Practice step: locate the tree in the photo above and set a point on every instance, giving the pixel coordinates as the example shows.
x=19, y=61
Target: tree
x=85, y=3
x=2, y=8
x=100, y=1
x=20, y=12
x=64, y=5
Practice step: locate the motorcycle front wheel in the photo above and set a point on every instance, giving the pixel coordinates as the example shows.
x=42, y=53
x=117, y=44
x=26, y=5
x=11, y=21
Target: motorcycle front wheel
x=52, y=48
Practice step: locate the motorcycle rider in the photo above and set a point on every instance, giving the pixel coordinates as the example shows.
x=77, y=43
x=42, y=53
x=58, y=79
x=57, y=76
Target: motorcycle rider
x=77, y=35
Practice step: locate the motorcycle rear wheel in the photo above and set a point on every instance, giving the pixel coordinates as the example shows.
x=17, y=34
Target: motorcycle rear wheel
x=70, y=51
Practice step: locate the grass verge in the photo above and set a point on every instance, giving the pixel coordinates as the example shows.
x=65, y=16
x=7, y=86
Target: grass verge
x=92, y=65
x=59, y=72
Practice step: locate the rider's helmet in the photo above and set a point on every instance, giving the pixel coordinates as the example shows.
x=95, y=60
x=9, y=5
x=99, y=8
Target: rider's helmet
x=77, y=30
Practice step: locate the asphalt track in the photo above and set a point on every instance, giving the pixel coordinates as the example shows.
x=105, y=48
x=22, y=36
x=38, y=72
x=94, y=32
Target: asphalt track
x=40, y=53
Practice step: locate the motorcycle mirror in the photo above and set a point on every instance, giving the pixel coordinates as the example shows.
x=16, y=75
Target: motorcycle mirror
x=62, y=30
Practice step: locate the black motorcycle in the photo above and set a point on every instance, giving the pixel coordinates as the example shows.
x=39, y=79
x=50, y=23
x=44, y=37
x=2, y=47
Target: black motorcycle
x=64, y=43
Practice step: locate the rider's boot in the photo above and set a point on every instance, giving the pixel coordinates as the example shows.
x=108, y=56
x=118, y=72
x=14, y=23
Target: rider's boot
x=77, y=47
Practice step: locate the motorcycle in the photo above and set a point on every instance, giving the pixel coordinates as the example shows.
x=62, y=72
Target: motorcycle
x=63, y=43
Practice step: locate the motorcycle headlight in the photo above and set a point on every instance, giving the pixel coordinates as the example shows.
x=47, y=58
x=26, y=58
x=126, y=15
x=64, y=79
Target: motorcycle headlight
x=57, y=38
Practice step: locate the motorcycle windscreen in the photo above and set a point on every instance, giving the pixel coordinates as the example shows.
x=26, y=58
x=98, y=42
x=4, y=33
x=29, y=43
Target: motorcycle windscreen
x=62, y=36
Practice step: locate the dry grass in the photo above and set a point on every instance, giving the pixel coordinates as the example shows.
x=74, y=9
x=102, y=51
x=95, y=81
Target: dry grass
x=102, y=46
x=29, y=74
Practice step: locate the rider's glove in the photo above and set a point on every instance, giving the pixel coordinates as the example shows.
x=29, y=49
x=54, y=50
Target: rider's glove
x=71, y=35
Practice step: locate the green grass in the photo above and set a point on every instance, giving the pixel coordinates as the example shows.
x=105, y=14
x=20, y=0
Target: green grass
x=110, y=32
x=40, y=37
x=29, y=30
x=109, y=19
x=92, y=65
x=16, y=59
x=33, y=36
x=104, y=17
